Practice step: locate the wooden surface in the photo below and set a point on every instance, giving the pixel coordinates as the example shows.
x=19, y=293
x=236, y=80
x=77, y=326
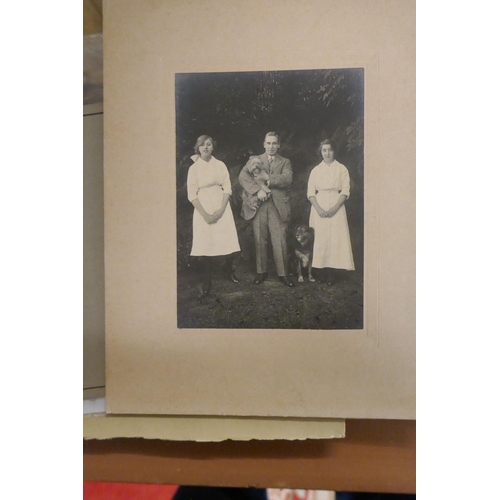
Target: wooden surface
x=375, y=456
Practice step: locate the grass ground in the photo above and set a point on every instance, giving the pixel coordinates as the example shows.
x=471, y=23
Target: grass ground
x=271, y=305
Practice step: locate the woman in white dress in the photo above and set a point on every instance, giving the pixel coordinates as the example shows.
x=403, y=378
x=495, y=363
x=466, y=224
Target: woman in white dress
x=214, y=230
x=327, y=190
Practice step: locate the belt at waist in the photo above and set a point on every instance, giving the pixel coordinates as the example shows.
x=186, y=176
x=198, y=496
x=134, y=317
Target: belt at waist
x=211, y=186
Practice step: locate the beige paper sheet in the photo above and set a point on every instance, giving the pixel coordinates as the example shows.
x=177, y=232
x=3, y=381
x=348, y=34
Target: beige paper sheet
x=207, y=429
x=151, y=366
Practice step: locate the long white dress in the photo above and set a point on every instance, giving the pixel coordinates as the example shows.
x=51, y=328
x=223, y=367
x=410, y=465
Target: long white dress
x=209, y=181
x=332, y=241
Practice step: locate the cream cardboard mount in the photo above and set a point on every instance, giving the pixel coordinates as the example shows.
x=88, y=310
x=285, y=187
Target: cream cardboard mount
x=152, y=367
x=210, y=429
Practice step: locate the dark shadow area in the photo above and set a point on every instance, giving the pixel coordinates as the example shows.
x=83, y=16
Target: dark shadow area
x=219, y=493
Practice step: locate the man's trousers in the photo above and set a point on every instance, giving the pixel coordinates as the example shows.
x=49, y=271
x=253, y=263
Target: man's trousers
x=267, y=221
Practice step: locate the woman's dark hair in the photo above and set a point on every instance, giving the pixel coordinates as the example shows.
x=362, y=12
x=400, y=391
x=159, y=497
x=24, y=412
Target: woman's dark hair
x=324, y=143
x=200, y=141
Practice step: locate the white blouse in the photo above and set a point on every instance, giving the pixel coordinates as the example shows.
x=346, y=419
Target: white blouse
x=203, y=174
x=328, y=178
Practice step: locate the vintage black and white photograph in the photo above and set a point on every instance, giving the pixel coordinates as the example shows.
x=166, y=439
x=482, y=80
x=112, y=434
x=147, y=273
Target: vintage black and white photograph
x=270, y=199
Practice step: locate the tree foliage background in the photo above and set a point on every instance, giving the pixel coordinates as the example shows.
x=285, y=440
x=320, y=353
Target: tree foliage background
x=303, y=107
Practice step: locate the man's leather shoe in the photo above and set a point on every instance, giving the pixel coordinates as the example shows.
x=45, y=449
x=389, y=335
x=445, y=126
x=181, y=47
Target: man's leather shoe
x=260, y=278
x=287, y=281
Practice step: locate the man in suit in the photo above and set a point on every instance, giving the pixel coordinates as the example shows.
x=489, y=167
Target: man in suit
x=272, y=215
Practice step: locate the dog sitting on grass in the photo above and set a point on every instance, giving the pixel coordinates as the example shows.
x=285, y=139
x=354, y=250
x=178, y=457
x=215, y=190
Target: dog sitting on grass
x=303, y=242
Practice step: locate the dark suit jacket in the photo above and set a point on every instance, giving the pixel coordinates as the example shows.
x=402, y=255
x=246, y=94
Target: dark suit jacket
x=280, y=179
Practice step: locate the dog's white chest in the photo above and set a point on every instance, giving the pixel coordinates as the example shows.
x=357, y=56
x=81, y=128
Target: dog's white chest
x=304, y=258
